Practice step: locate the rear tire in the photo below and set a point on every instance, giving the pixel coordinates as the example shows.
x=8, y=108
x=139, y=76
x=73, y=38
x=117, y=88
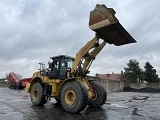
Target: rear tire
x=100, y=95
x=74, y=97
x=37, y=94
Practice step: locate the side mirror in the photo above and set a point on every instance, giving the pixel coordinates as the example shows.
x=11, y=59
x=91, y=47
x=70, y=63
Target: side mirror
x=68, y=69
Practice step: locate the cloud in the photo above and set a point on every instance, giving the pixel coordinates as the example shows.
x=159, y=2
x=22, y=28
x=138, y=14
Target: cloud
x=32, y=31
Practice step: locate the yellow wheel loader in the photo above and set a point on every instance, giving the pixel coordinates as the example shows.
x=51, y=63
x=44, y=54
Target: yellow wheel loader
x=65, y=78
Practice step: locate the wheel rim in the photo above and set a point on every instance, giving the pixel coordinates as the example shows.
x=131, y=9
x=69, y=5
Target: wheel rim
x=35, y=94
x=70, y=97
x=94, y=97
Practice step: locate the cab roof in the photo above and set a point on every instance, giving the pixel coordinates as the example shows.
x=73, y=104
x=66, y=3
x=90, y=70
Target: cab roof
x=60, y=56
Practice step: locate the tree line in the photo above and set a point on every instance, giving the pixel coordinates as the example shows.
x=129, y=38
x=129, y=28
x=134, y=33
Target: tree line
x=133, y=72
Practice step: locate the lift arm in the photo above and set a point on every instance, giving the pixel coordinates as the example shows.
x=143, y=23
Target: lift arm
x=107, y=27
x=86, y=55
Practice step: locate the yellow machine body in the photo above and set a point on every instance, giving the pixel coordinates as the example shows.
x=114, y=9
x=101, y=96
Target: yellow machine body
x=108, y=30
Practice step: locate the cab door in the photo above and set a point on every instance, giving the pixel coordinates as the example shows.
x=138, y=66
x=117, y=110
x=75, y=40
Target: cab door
x=55, y=69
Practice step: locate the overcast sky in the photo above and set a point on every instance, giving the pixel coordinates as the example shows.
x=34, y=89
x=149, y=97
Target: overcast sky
x=31, y=31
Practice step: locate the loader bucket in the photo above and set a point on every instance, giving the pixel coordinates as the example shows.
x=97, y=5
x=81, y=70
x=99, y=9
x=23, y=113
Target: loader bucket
x=107, y=26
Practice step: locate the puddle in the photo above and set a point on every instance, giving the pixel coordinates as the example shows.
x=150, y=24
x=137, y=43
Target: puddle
x=108, y=103
x=25, y=97
x=116, y=105
x=130, y=101
x=2, y=113
x=135, y=112
x=140, y=98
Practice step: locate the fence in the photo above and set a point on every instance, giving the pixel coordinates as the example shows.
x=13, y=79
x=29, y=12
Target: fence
x=111, y=86
x=3, y=84
x=143, y=85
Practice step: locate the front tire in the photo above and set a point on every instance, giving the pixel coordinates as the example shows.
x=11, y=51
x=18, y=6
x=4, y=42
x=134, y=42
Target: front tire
x=99, y=97
x=74, y=97
x=37, y=94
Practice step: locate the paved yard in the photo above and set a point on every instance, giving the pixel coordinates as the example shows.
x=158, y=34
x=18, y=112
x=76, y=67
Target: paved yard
x=16, y=105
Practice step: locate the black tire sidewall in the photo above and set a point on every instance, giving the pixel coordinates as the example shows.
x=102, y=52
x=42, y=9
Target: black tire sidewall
x=101, y=95
x=77, y=106
x=40, y=93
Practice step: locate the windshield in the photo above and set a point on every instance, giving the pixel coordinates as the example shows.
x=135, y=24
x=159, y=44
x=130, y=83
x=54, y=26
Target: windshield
x=69, y=62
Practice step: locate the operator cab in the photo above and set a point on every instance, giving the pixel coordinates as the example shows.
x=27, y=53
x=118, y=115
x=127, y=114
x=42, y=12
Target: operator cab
x=58, y=67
